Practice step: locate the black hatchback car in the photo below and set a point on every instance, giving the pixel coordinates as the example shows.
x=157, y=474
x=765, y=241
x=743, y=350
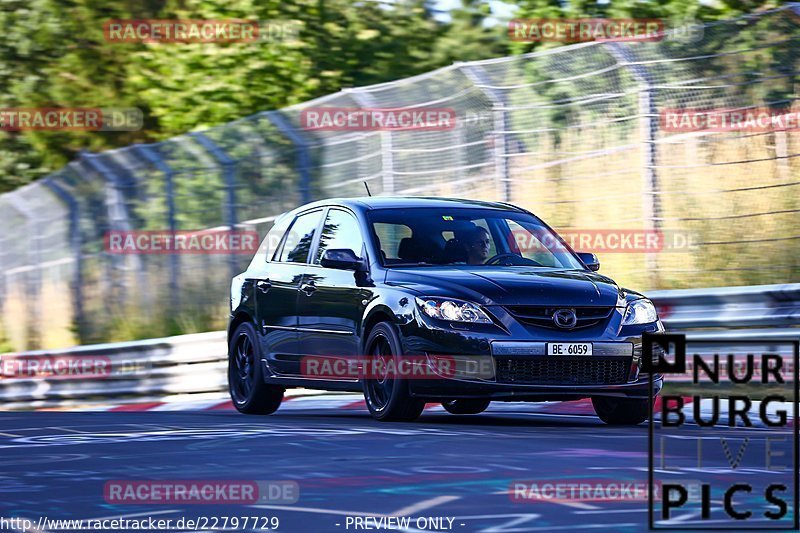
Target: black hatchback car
x=487, y=288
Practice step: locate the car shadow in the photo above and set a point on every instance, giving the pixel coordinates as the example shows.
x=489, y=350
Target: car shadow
x=484, y=420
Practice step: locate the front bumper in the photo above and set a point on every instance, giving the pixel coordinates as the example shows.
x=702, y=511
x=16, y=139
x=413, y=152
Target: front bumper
x=448, y=388
x=521, y=370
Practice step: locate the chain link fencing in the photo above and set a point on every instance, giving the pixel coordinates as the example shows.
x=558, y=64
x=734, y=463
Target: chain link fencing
x=571, y=133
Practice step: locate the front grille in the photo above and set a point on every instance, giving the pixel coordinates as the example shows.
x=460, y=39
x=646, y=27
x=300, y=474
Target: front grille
x=563, y=371
x=542, y=316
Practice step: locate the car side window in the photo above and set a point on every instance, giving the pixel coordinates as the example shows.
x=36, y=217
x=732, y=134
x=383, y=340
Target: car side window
x=297, y=242
x=270, y=244
x=341, y=230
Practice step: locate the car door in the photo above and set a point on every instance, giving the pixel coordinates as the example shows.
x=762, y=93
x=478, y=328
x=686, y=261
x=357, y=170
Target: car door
x=331, y=302
x=277, y=291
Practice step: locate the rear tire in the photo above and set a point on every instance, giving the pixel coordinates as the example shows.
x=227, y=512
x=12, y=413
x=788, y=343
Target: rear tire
x=621, y=411
x=388, y=399
x=466, y=406
x=249, y=393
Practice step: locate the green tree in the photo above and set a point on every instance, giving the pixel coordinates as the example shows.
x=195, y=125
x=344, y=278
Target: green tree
x=55, y=54
x=468, y=36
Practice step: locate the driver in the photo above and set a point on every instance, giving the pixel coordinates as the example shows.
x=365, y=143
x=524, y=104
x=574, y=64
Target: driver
x=477, y=243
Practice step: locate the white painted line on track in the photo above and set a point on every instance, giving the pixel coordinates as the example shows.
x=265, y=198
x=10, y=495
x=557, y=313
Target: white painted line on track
x=425, y=504
x=196, y=405
x=68, y=430
x=316, y=510
x=566, y=503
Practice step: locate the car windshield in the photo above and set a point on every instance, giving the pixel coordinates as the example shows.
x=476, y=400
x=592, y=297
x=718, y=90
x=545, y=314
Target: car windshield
x=424, y=236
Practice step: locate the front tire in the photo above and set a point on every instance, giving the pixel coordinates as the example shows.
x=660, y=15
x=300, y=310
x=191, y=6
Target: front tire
x=249, y=393
x=467, y=406
x=621, y=411
x=388, y=399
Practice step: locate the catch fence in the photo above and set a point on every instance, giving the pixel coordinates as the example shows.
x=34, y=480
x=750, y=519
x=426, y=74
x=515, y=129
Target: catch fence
x=573, y=133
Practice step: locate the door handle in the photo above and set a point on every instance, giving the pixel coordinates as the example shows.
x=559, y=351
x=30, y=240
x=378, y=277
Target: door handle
x=264, y=286
x=308, y=288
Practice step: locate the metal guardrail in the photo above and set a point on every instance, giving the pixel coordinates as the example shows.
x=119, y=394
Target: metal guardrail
x=196, y=364
x=730, y=307
x=153, y=368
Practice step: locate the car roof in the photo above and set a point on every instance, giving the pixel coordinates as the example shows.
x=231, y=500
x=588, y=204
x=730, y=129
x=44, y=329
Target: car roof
x=384, y=202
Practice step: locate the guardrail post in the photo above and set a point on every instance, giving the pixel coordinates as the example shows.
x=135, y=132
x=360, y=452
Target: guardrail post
x=151, y=155
x=301, y=149
x=648, y=124
x=33, y=275
x=367, y=101
x=229, y=176
x=77, y=251
x=3, y=276
x=118, y=216
x=387, y=163
x=501, y=125
x=3, y=291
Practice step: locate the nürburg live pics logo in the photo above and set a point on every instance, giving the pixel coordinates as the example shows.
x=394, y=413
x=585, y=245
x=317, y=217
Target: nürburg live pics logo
x=727, y=416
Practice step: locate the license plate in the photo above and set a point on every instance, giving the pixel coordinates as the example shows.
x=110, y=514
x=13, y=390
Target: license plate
x=569, y=348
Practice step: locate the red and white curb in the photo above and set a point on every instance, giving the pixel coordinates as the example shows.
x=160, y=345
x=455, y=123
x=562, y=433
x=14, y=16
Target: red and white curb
x=306, y=400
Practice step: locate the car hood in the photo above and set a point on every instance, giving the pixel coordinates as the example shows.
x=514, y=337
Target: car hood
x=510, y=285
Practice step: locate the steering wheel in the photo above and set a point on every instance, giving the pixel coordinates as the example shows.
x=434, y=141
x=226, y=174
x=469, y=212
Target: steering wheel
x=499, y=257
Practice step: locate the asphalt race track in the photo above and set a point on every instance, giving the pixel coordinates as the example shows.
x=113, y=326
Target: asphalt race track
x=56, y=465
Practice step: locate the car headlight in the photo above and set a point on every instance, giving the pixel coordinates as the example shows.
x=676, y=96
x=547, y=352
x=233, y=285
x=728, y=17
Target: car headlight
x=640, y=312
x=453, y=310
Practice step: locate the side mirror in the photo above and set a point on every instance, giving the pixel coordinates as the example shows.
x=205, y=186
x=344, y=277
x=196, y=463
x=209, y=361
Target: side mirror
x=342, y=259
x=590, y=260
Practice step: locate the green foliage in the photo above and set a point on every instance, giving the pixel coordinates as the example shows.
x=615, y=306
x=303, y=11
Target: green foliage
x=54, y=53
x=467, y=38
x=673, y=12
x=133, y=325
